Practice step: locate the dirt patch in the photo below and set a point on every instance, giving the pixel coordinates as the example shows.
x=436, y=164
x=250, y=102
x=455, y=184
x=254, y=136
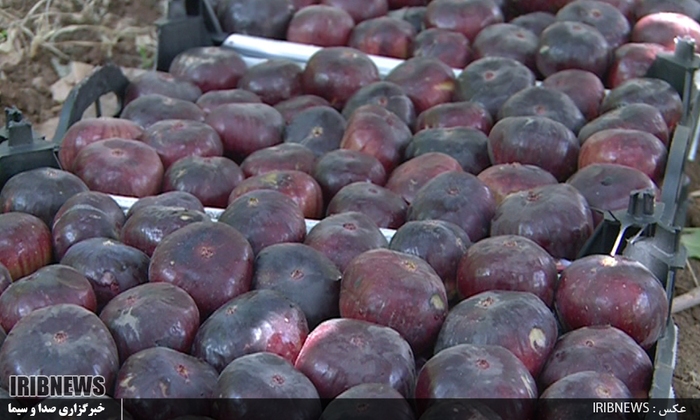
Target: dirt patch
x=686, y=381
x=26, y=83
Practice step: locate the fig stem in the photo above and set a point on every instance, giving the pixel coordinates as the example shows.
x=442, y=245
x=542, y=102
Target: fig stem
x=686, y=301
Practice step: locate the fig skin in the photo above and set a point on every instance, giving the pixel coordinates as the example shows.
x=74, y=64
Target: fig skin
x=265, y=217
x=150, y=376
x=98, y=200
x=344, y=236
x=475, y=371
x=456, y=114
x=25, y=244
x=336, y=73
x=452, y=48
x=654, y=92
x=210, y=68
x=319, y=128
x=427, y=81
x=386, y=94
x=469, y=146
x=151, y=315
x=581, y=385
x=149, y=109
x=65, y=339
x=120, y=167
x=466, y=17
x=607, y=186
x=161, y=83
x=535, y=140
x=375, y=286
x=604, y=349
x=320, y=25
x=302, y=274
x=557, y=217
x=246, y=127
x=360, y=11
x=215, y=98
x=383, y=36
x=210, y=179
x=181, y=199
x=342, y=167
x=635, y=116
x=517, y=321
x=411, y=175
x=111, y=266
x=260, y=386
x=213, y=263
x=507, y=262
x=78, y=224
x=256, y=321
x=285, y=156
x=40, y=192
x=178, y=139
x=441, y=244
x=301, y=187
x=50, y=285
x=341, y=353
x=147, y=228
x=445, y=197
x=273, y=81
x=623, y=293
x=491, y=81
x=90, y=130
x=378, y=132
x=573, y=45
x=263, y=18
x=507, y=178
x=386, y=208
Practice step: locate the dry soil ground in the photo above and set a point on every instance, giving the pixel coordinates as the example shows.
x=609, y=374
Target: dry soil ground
x=41, y=37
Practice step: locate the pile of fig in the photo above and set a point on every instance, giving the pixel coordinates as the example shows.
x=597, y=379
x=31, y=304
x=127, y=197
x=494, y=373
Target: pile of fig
x=415, y=238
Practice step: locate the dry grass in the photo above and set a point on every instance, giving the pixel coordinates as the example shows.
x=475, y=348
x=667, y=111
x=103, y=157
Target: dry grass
x=61, y=26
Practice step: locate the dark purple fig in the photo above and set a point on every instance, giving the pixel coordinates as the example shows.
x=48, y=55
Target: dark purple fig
x=151, y=315
x=40, y=192
x=109, y=265
x=150, y=376
x=556, y=217
x=64, y=339
x=256, y=321
x=48, y=286
x=211, y=261
x=302, y=274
